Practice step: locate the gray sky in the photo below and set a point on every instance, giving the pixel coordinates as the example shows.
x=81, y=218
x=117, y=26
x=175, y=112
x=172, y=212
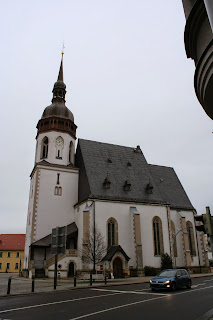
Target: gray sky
x=128, y=83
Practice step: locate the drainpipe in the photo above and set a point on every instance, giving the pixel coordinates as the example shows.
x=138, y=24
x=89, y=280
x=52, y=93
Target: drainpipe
x=94, y=239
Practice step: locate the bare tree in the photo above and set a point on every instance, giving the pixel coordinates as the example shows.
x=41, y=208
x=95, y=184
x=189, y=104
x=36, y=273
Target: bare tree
x=94, y=247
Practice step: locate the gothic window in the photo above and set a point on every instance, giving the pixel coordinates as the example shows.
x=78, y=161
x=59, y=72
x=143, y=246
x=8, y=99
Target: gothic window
x=44, y=148
x=190, y=231
x=174, y=240
x=112, y=232
x=70, y=151
x=157, y=236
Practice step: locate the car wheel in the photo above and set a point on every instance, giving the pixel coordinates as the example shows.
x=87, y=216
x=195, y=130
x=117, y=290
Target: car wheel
x=189, y=285
x=173, y=286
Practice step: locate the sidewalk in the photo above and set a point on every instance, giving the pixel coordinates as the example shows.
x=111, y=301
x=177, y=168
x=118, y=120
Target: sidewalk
x=21, y=285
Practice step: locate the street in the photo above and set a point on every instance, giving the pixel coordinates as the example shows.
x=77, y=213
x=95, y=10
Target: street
x=134, y=301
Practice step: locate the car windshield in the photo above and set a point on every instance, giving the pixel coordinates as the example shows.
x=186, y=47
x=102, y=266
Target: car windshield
x=167, y=273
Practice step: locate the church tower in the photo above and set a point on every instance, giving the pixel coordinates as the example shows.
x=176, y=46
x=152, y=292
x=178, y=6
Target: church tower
x=54, y=178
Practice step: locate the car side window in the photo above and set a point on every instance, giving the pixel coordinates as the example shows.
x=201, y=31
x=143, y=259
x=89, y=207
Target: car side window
x=183, y=273
x=178, y=273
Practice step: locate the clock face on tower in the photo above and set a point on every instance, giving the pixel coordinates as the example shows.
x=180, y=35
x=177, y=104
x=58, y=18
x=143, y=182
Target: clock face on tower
x=59, y=141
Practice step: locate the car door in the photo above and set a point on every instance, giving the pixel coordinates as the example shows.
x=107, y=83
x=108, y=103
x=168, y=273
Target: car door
x=179, y=279
x=185, y=277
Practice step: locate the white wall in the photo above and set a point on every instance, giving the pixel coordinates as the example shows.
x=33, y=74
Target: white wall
x=53, y=210
x=52, y=147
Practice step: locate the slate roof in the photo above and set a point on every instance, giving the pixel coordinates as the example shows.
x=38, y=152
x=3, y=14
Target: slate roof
x=170, y=187
x=98, y=161
x=12, y=242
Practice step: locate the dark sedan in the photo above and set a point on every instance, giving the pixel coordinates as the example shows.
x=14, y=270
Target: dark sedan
x=171, y=279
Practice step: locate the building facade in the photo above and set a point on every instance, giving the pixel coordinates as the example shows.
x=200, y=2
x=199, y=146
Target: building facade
x=198, y=38
x=110, y=200
x=11, y=252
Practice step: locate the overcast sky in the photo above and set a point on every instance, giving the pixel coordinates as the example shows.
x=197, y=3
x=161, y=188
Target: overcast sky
x=128, y=83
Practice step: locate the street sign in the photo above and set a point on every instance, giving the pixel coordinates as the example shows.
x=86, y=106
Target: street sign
x=58, y=243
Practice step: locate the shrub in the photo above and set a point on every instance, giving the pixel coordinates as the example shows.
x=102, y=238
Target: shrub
x=150, y=271
x=166, y=262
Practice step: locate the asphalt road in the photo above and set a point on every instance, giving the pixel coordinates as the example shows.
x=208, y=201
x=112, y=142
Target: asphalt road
x=135, y=301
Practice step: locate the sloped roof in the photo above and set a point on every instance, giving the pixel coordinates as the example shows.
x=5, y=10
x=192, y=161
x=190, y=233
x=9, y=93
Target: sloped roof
x=46, y=241
x=170, y=187
x=98, y=161
x=112, y=251
x=12, y=242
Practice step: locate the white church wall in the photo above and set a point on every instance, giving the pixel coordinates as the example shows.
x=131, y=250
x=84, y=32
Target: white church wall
x=29, y=221
x=52, y=147
x=54, y=210
x=121, y=212
x=148, y=212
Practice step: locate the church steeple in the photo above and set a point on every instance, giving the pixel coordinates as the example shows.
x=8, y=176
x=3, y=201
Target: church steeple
x=57, y=117
x=59, y=89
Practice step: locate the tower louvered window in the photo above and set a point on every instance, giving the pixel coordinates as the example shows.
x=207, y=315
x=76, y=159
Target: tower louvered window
x=44, y=148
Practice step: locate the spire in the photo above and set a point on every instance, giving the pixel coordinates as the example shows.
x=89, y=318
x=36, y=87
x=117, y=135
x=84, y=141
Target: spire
x=60, y=74
x=59, y=89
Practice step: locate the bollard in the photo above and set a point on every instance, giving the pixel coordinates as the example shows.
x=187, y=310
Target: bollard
x=105, y=280
x=33, y=284
x=9, y=285
x=74, y=281
x=90, y=280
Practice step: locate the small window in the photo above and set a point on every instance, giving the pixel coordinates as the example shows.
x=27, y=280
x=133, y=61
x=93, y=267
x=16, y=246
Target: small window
x=8, y=265
x=58, y=191
x=16, y=266
x=8, y=254
x=0, y=265
x=1, y=254
x=17, y=255
x=58, y=177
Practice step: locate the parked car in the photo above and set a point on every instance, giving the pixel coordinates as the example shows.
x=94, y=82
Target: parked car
x=171, y=279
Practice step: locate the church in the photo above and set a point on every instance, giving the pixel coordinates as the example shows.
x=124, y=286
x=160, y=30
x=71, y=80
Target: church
x=134, y=210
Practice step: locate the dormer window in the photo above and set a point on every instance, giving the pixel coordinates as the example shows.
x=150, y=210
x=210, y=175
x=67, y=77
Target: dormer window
x=149, y=188
x=127, y=185
x=44, y=148
x=107, y=183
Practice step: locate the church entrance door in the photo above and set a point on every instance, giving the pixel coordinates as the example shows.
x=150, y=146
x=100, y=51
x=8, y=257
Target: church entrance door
x=71, y=270
x=117, y=268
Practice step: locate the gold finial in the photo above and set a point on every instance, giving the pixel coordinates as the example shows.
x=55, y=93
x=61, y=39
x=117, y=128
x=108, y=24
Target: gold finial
x=63, y=47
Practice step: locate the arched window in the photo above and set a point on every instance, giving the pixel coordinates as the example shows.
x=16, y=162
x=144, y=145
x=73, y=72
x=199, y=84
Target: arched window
x=190, y=231
x=44, y=148
x=174, y=240
x=70, y=151
x=157, y=236
x=112, y=232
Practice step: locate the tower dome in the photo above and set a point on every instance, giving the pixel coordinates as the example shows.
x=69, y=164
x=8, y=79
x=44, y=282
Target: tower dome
x=57, y=116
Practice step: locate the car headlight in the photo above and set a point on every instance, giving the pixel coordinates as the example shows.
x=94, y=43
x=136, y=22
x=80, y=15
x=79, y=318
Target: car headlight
x=167, y=282
x=150, y=281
